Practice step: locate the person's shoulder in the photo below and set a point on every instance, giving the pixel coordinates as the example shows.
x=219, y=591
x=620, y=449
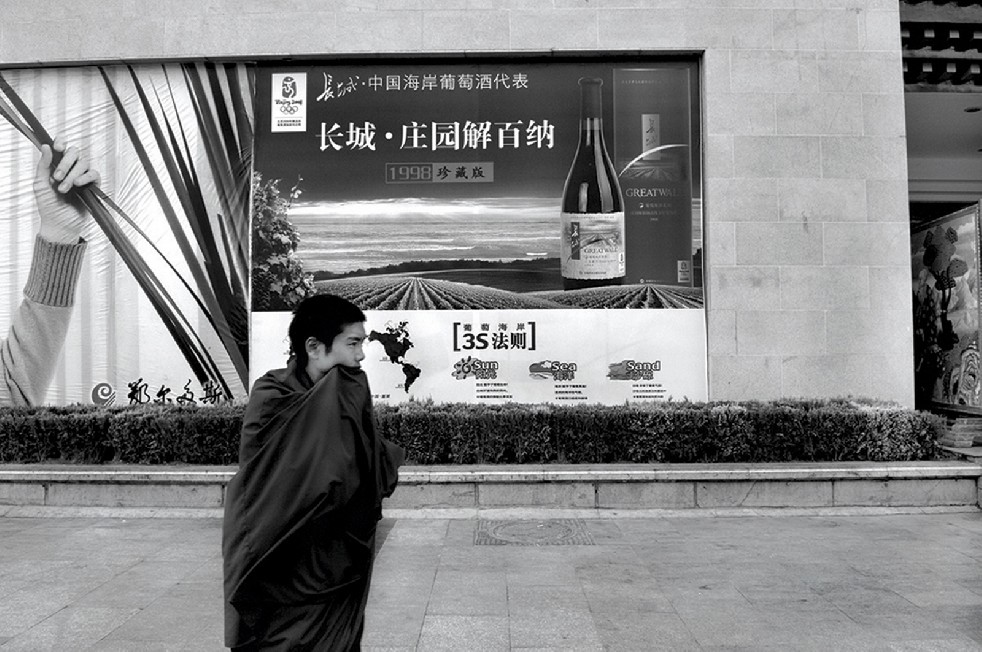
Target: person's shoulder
x=271, y=375
x=275, y=381
x=270, y=392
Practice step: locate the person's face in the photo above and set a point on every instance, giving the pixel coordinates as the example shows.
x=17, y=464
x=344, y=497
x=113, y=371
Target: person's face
x=345, y=350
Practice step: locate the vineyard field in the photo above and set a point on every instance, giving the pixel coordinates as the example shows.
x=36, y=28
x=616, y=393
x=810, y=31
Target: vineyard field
x=628, y=296
x=394, y=292
x=412, y=293
x=508, y=280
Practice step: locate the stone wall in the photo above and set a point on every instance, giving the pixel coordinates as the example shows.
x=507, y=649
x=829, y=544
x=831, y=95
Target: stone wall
x=463, y=491
x=807, y=240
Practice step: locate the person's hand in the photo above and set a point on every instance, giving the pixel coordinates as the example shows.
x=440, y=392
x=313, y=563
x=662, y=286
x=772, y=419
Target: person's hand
x=63, y=217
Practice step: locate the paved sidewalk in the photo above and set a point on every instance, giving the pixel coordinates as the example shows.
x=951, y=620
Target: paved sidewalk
x=679, y=581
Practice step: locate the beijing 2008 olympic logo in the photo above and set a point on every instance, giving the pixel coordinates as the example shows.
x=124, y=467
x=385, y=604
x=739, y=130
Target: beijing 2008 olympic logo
x=288, y=88
x=288, y=91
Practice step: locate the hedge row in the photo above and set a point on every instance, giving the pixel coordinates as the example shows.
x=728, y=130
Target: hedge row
x=156, y=434
x=800, y=430
x=499, y=434
x=662, y=432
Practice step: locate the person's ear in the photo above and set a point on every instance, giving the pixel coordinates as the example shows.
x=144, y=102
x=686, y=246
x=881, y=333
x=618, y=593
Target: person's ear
x=311, y=345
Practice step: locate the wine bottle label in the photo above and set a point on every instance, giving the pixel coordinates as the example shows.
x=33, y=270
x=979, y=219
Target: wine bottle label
x=592, y=245
x=658, y=223
x=684, y=268
x=651, y=135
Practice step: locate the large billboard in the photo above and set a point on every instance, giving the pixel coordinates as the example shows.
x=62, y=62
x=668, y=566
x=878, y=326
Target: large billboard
x=151, y=304
x=516, y=230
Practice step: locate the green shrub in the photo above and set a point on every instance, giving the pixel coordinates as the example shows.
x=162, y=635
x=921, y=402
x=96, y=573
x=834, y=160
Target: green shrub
x=416, y=427
x=23, y=437
x=512, y=433
x=80, y=435
x=162, y=434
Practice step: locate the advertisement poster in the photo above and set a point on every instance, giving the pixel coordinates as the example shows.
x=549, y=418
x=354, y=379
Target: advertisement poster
x=945, y=264
x=154, y=307
x=515, y=230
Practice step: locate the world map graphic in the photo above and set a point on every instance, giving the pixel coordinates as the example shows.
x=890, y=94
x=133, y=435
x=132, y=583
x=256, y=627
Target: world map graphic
x=396, y=342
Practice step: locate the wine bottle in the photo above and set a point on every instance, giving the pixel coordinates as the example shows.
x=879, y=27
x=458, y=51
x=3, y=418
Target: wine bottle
x=652, y=148
x=592, y=243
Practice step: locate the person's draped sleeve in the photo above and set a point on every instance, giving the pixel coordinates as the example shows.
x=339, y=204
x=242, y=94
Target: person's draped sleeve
x=29, y=355
x=301, y=509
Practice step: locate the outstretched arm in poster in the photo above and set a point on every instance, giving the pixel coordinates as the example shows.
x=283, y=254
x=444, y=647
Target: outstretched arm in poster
x=37, y=332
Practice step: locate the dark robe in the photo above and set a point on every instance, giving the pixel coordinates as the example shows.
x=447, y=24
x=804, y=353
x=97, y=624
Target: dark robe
x=300, y=514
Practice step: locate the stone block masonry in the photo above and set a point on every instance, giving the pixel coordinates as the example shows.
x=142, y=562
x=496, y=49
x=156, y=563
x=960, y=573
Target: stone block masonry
x=803, y=132
x=467, y=490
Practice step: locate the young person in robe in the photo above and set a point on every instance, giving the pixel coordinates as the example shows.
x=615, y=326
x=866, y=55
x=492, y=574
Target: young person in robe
x=29, y=354
x=300, y=514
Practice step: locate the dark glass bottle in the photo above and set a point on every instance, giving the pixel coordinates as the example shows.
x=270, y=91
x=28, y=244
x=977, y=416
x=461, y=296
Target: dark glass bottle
x=652, y=147
x=592, y=247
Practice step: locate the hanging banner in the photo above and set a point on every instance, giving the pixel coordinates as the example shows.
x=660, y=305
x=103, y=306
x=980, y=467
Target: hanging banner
x=944, y=256
x=152, y=306
x=525, y=231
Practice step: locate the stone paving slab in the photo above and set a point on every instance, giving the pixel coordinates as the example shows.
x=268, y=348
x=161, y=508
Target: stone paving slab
x=757, y=580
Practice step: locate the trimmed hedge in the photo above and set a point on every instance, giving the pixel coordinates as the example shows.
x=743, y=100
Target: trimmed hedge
x=454, y=433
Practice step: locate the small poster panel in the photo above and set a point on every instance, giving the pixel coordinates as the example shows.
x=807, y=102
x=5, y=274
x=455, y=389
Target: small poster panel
x=945, y=264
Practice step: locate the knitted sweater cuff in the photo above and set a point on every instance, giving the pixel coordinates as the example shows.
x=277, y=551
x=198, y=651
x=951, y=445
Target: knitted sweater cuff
x=55, y=269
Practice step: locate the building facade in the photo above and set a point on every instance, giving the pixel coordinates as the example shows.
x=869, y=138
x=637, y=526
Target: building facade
x=807, y=226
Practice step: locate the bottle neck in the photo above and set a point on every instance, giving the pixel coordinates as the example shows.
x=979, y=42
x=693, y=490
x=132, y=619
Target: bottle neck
x=591, y=131
x=591, y=110
x=591, y=104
